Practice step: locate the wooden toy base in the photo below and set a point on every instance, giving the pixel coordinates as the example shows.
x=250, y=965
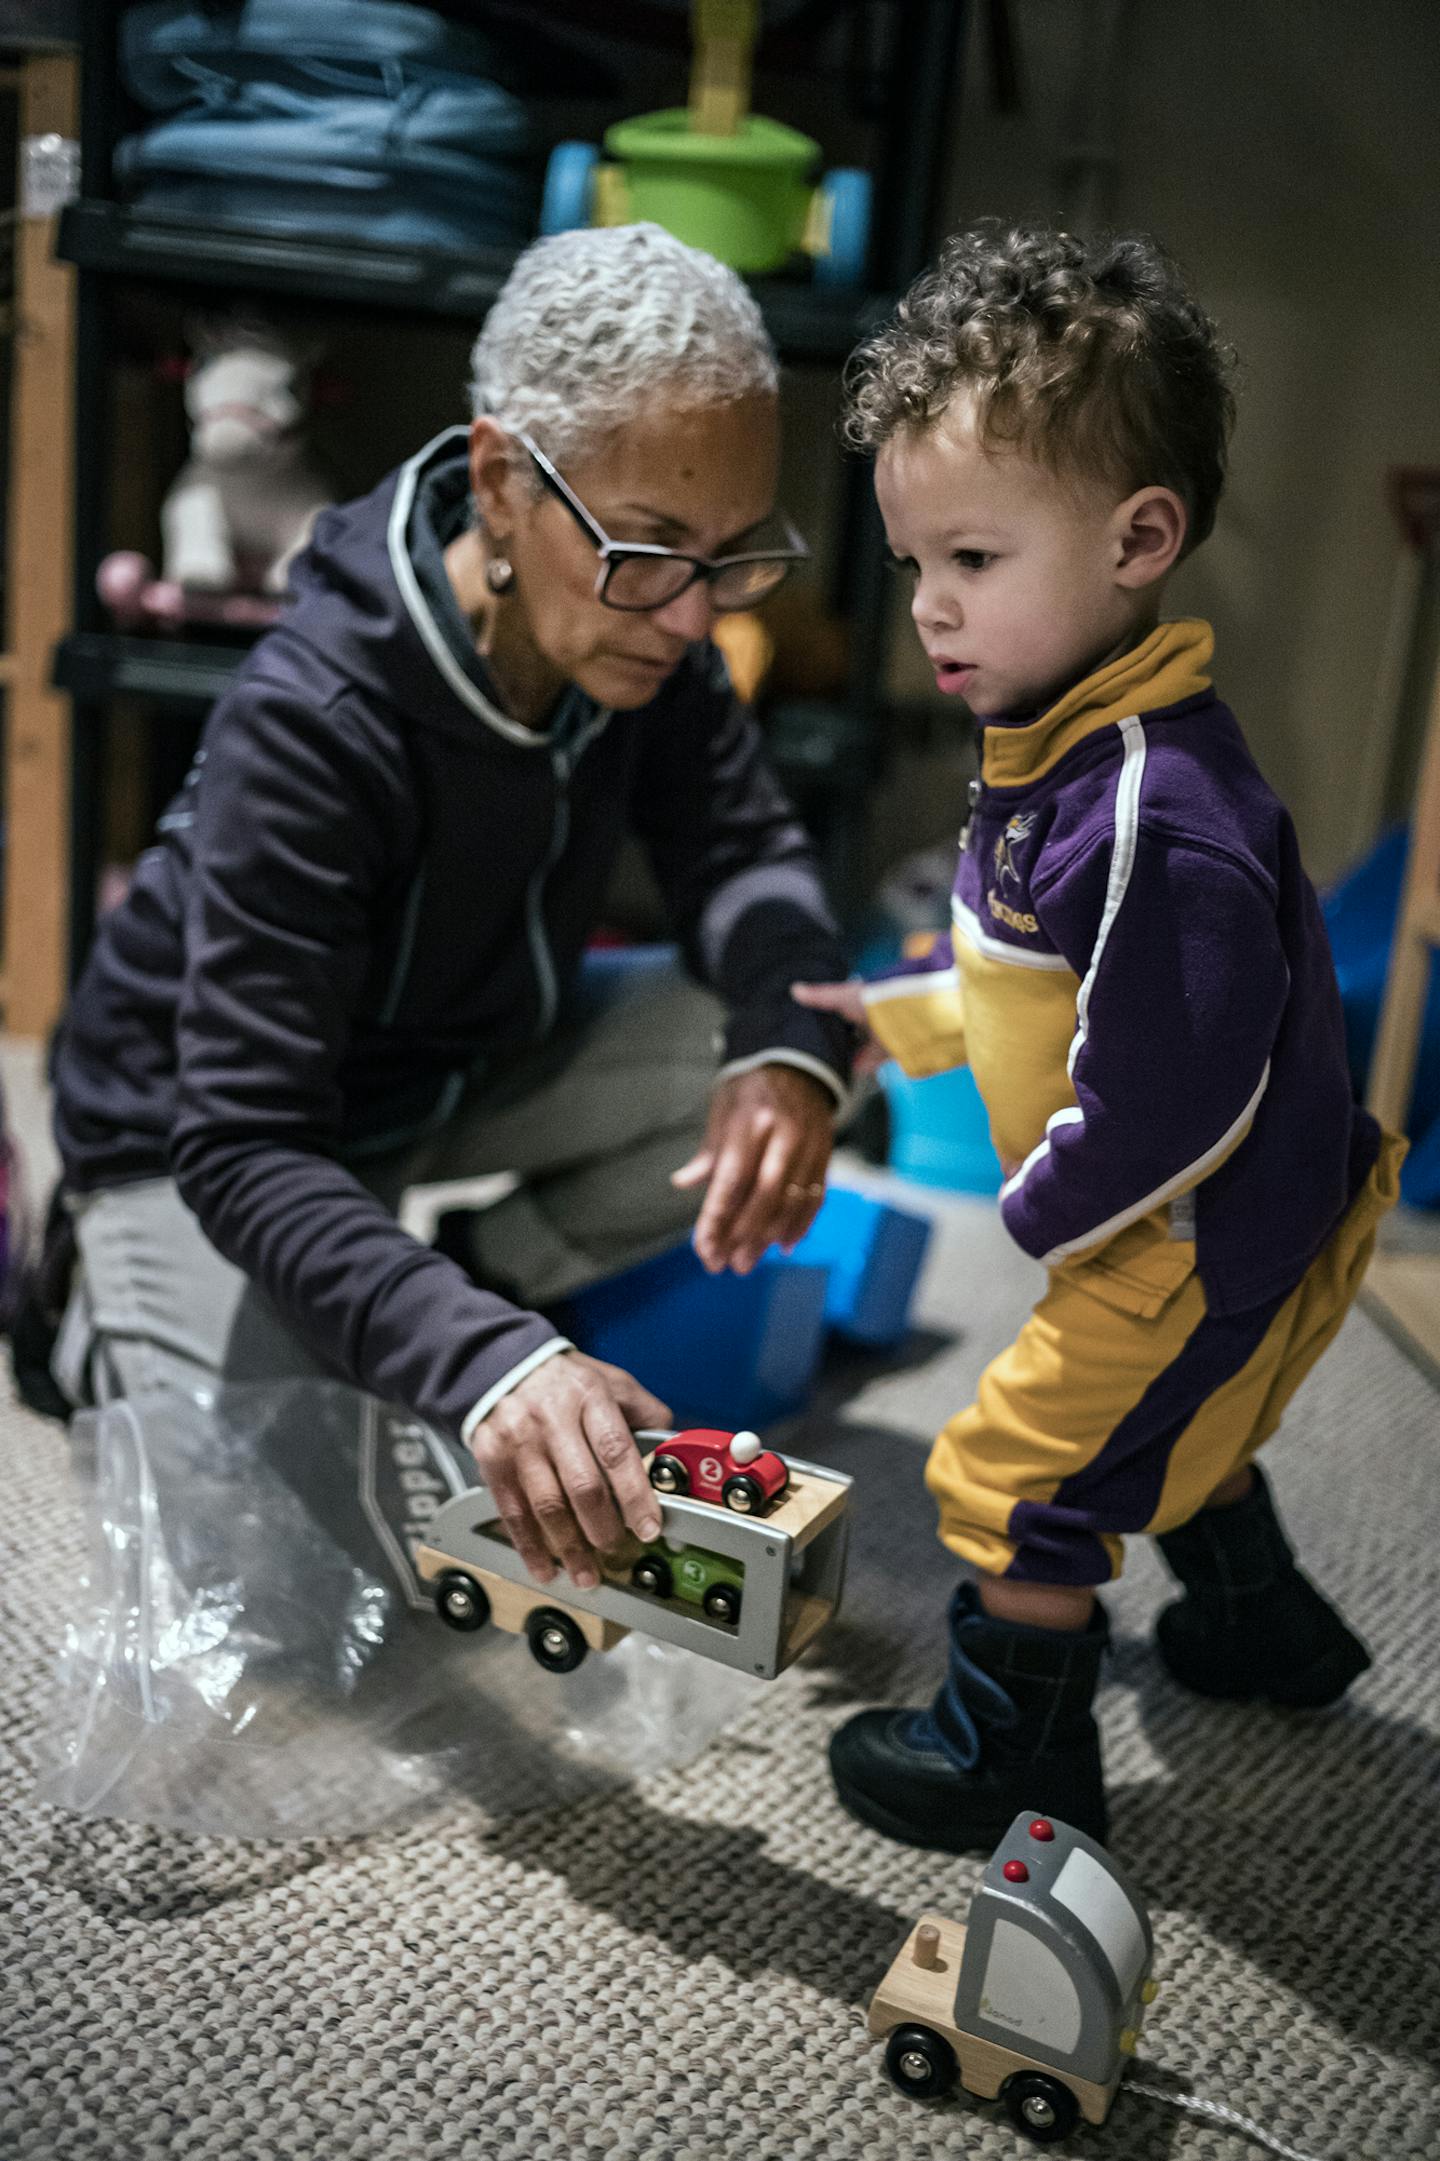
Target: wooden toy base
x=511, y=1604
x=924, y=1995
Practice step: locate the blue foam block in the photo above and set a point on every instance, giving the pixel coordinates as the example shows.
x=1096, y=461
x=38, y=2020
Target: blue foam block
x=1360, y=917
x=722, y=1350
x=939, y=1131
x=874, y=1253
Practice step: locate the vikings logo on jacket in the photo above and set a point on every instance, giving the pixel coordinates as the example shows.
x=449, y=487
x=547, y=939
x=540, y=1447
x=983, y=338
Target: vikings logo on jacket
x=1020, y=827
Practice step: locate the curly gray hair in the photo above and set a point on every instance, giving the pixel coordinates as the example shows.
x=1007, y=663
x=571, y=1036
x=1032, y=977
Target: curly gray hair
x=591, y=327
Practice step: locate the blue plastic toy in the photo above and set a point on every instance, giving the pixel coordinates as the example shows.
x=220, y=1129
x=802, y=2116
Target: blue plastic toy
x=939, y=1131
x=874, y=1253
x=721, y=1350
x=1360, y=916
x=939, y=1128
x=745, y=1349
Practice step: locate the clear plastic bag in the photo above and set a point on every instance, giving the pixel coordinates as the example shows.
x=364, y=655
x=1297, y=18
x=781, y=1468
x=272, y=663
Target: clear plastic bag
x=251, y=1653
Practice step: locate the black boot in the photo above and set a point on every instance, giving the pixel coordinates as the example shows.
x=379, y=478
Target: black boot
x=1250, y=1625
x=1010, y=1729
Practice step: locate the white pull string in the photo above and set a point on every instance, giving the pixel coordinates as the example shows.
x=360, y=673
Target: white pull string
x=1221, y=2114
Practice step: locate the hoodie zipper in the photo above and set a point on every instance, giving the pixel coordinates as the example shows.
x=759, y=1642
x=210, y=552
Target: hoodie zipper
x=569, y=741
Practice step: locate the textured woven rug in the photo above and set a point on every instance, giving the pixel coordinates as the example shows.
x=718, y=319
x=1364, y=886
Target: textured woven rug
x=676, y=1971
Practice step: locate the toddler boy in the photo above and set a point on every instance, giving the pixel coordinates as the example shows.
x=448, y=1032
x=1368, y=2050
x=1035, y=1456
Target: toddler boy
x=1139, y=977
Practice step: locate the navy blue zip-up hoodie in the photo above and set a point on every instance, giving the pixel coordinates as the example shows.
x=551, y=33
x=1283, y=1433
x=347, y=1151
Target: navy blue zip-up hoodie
x=375, y=885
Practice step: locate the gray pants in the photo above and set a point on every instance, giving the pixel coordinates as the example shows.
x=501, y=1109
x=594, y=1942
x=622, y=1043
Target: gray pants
x=592, y=1126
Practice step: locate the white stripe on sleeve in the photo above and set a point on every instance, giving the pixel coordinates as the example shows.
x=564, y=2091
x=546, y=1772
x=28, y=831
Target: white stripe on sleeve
x=1122, y=862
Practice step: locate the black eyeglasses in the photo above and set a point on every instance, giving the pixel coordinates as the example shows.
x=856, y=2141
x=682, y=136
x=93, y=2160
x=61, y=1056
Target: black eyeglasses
x=638, y=577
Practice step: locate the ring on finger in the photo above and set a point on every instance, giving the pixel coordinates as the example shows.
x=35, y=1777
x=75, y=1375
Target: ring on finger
x=796, y=1192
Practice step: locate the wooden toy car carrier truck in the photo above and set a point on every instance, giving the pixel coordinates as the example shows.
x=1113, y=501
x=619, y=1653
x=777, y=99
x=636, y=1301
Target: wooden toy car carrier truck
x=751, y=1591
x=1038, y=1999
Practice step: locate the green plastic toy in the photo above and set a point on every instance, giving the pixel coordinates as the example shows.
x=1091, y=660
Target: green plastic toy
x=717, y=175
x=689, y=1573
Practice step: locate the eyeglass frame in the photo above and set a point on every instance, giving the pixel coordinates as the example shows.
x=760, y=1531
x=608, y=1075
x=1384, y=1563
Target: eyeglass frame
x=612, y=552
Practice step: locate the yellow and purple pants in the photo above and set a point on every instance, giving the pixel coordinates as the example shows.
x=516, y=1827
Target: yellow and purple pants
x=1123, y=1402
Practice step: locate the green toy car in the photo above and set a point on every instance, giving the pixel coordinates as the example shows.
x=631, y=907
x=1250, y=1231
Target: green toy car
x=695, y=1577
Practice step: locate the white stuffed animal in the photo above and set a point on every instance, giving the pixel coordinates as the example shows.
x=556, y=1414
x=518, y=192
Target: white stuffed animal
x=244, y=504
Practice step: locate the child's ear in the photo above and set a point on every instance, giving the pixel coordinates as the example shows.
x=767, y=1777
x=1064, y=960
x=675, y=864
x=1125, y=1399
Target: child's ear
x=1149, y=530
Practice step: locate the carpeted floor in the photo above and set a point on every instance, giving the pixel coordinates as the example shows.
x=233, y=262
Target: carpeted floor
x=676, y=1971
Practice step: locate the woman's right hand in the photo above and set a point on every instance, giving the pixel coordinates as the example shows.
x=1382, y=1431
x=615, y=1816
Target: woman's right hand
x=848, y=1001
x=559, y=1456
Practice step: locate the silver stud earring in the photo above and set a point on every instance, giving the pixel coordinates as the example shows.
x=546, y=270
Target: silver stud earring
x=499, y=574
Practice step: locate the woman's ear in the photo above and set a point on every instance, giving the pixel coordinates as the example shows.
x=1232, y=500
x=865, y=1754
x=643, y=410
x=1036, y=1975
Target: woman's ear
x=1149, y=528
x=492, y=477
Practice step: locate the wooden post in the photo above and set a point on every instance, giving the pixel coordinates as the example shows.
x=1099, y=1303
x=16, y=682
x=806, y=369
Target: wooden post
x=724, y=33
x=1417, y=934
x=1402, y=1289
x=39, y=543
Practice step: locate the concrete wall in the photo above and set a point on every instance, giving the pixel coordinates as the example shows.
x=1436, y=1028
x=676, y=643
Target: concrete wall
x=1288, y=151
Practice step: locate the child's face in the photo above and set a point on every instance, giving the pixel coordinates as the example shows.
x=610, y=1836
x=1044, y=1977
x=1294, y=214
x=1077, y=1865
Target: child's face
x=1023, y=581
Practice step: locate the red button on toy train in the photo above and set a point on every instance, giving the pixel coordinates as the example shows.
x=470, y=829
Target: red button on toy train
x=1015, y=1872
x=1042, y=1830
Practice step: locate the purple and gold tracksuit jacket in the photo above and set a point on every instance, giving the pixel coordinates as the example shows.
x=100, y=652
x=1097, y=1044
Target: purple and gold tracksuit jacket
x=1138, y=974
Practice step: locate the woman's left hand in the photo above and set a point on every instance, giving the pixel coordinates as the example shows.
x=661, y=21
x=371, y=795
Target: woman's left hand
x=764, y=1157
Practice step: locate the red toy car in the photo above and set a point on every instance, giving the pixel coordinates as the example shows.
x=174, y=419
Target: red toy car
x=729, y=1468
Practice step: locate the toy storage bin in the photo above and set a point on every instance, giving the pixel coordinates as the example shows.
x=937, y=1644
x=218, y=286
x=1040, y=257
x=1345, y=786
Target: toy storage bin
x=939, y=1132
x=1360, y=914
x=721, y=1350
x=874, y=1253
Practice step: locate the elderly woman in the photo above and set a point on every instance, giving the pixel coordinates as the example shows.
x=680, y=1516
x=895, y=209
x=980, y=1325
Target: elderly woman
x=353, y=961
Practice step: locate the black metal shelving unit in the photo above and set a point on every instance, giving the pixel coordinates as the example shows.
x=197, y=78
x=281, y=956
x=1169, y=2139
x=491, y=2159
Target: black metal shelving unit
x=909, y=94
x=112, y=240
x=97, y=665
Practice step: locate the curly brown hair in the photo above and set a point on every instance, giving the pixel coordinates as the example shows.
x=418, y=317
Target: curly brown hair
x=1090, y=356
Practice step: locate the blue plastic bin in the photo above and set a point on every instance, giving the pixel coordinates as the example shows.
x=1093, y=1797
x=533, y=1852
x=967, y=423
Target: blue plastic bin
x=1360, y=915
x=939, y=1133
x=874, y=1252
x=724, y=1350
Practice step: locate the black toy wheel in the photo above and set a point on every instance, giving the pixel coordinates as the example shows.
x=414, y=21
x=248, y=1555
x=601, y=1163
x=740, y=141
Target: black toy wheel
x=460, y=1601
x=1041, y=2107
x=919, y=2062
x=669, y=1475
x=722, y=1603
x=652, y=1573
x=556, y=1643
x=744, y=1494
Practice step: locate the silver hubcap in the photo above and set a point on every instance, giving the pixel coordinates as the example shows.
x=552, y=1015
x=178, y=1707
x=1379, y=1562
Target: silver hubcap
x=1038, y=2111
x=740, y=1501
x=663, y=1478
x=914, y=2065
x=460, y=1603
x=555, y=1642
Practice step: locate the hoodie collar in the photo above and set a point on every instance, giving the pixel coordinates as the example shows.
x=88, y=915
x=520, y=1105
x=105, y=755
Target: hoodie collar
x=1163, y=670
x=421, y=518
